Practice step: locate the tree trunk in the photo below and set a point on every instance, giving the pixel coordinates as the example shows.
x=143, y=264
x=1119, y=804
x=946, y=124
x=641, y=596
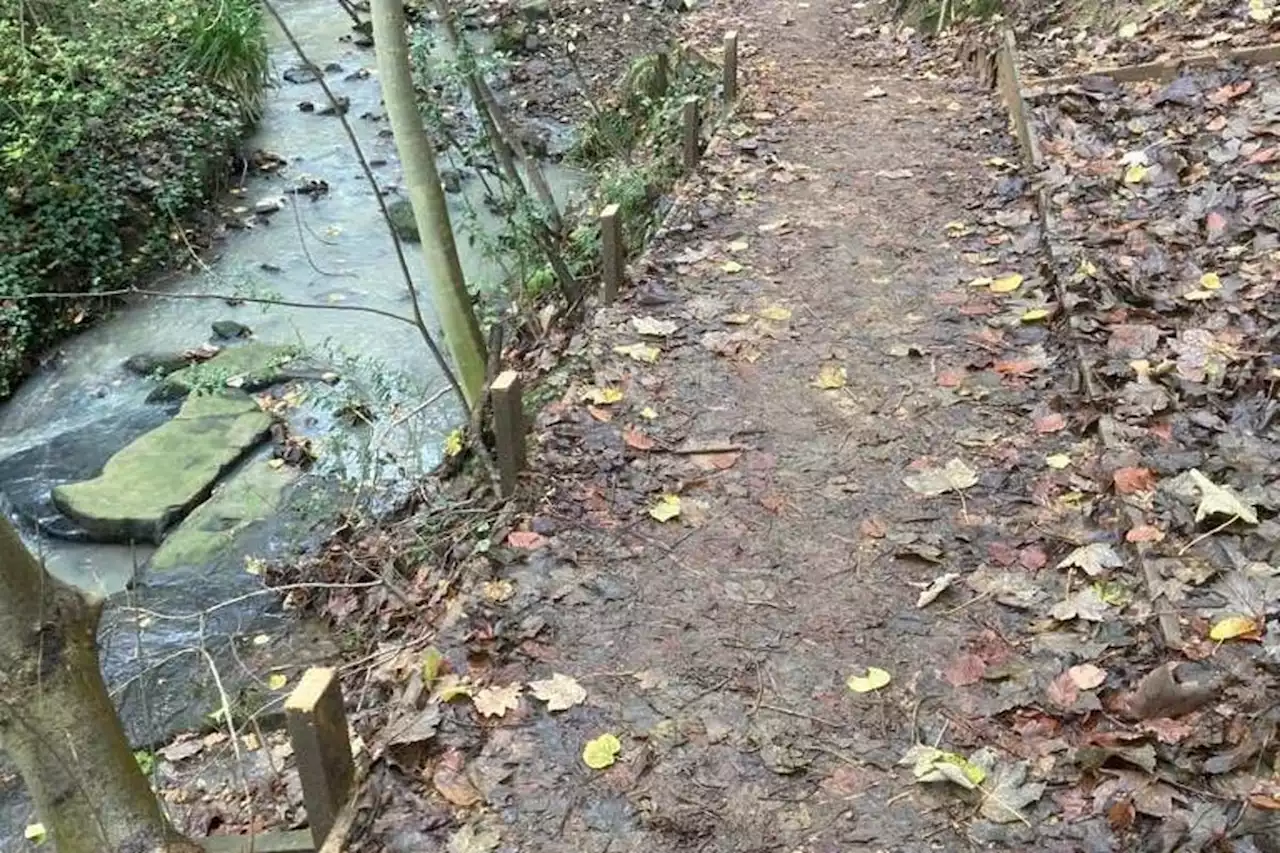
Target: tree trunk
x=57, y=722
x=418, y=158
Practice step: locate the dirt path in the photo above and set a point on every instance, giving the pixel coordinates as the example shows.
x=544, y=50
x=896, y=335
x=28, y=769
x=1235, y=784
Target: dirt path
x=716, y=646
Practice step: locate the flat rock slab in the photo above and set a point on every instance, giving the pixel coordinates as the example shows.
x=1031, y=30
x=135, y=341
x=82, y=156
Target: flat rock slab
x=250, y=367
x=161, y=476
x=251, y=495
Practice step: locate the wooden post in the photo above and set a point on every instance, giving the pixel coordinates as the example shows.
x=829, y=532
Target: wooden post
x=508, y=428
x=611, y=253
x=318, y=729
x=662, y=74
x=730, y=69
x=692, y=135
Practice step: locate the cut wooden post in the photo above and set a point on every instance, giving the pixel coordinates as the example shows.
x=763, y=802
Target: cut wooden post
x=692, y=135
x=730, y=69
x=508, y=428
x=318, y=730
x=611, y=252
x=662, y=73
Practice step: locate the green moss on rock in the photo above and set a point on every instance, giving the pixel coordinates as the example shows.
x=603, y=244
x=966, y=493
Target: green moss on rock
x=252, y=366
x=162, y=475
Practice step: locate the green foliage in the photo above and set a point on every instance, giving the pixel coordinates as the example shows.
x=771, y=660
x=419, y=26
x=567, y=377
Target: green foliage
x=116, y=118
x=937, y=15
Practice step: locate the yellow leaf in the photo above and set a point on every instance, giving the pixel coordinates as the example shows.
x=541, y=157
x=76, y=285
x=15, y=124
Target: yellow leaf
x=35, y=833
x=275, y=464
x=1232, y=627
x=1087, y=269
x=736, y=319
x=254, y=565
x=1057, y=461
x=277, y=681
x=601, y=752
x=451, y=686
x=1260, y=11
x=776, y=313
x=648, y=413
x=560, y=692
x=647, y=353
x=667, y=508
x=982, y=281
x=830, y=377
x=1210, y=281
x=738, y=246
x=261, y=640
x=602, y=396
x=1135, y=174
x=1007, y=283
x=731, y=267
x=873, y=680
x=431, y=661
x=1127, y=31
x=453, y=443
x=1034, y=315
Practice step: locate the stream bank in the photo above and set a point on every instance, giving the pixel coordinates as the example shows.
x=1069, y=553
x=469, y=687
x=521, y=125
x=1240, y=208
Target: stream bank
x=336, y=427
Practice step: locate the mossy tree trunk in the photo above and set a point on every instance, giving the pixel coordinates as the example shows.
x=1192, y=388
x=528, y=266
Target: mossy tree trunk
x=418, y=158
x=57, y=722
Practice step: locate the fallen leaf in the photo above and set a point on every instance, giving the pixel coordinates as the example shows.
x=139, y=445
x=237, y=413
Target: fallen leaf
x=602, y=396
x=1052, y=422
x=451, y=686
x=1057, y=461
x=739, y=319
x=936, y=587
x=954, y=476
x=1006, y=283
x=1210, y=281
x=1007, y=792
x=1218, y=500
x=1034, y=315
x=1095, y=559
x=453, y=443
x=1235, y=628
x=667, y=508
x=875, y=679
x=731, y=267
x=966, y=669
x=715, y=461
x=776, y=313
x=636, y=439
x=930, y=764
x=499, y=591
x=1144, y=533
x=873, y=527
x=180, y=749
x=602, y=415
x=529, y=540
x=1127, y=30
x=648, y=413
x=1136, y=173
x=277, y=681
x=646, y=353
x=414, y=727
x=497, y=701
x=432, y=663
x=831, y=377
x=601, y=752
x=1132, y=480
x=560, y=692
x=653, y=327
x=738, y=246
x=35, y=833
x=1086, y=676
x=874, y=92
x=450, y=779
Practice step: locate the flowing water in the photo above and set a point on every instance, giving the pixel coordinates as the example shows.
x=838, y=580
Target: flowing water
x=334, y=250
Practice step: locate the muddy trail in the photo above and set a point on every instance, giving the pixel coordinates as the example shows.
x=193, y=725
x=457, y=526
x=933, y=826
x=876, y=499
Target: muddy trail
x=832, y=540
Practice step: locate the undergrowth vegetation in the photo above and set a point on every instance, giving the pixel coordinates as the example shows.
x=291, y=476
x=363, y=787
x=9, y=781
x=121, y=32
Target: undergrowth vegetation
x=117, y=117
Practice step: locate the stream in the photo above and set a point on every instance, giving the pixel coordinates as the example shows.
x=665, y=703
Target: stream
x=162, y=631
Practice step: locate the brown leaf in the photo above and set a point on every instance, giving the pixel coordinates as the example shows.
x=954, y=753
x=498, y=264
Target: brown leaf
x=451, y=780
x=1063, y=690
x=1144, y=533
x=715, y=461
x=1052, y=422
x=964, y=670
x=636, y=439
x=873, y=527
x=1163, y=694
x=527, y=539
x=1167, y=730
x=602, y=415
x=773, y=502
x=951, y=378
x=1121, y=815
x=1132, y=480
x=1032, y=558
x=1019, y=367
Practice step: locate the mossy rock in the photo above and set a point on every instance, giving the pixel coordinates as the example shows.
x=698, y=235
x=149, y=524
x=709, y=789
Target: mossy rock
x=161, y=476
x=406, y=227
x=250, y=496
x=251, y=367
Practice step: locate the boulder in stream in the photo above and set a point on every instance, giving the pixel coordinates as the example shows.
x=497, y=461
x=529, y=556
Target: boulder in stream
x=251, y=495
x=251, y=367
x=230, y=329
x=156, y=363
x=162, y=475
